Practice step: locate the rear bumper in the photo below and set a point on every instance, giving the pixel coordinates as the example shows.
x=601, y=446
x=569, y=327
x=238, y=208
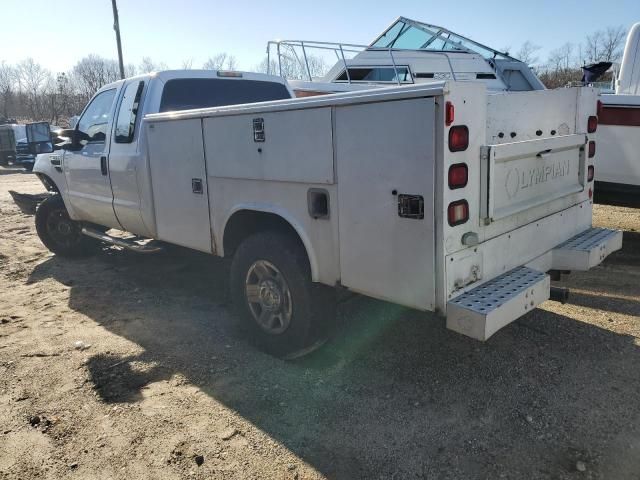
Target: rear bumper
x=482, y=311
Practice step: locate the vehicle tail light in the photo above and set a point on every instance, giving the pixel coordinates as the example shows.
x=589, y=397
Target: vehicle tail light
x=592, y=124
x=229, y=74
x=599, y=108
x=592, y=149
x=458, y=176
x=590, y=173
x=458, y=212
x=450, y=114
x=458, y=138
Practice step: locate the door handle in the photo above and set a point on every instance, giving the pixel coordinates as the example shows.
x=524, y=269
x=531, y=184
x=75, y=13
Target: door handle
x=55, y=162
x=103, y=165
x=197, y=186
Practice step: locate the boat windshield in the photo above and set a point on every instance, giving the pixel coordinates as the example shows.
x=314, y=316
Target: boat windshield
x=408, y=34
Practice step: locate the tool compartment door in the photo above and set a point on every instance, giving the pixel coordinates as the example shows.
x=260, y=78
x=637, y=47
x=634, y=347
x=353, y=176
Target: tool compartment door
x=179, y=183
x=524, y=175
x=385, y=156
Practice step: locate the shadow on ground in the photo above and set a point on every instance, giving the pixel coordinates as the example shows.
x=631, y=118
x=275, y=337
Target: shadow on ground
x=393, y=394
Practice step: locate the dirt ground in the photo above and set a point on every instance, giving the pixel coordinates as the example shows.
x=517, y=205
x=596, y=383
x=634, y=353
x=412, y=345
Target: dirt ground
x=162, y=387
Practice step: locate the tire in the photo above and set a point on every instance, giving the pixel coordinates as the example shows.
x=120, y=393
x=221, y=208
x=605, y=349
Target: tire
x=283, y=312
x=59, y=233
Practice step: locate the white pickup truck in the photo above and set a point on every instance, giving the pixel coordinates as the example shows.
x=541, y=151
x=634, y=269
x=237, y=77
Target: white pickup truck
x=437, y=196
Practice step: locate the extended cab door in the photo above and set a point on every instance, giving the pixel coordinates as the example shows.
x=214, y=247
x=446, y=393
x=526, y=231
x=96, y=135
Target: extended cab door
x=86, y=168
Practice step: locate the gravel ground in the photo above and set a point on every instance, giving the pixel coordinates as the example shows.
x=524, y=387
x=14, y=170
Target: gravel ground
x=123, y=366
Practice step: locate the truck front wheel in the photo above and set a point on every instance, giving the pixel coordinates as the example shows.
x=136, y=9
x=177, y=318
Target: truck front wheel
x=58, y=232
x=282, y=310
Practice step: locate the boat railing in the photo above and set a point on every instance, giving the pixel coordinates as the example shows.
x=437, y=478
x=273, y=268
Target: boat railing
x=296, y=51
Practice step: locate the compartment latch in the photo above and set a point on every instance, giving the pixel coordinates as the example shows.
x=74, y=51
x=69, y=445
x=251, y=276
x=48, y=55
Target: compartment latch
x=411, y=206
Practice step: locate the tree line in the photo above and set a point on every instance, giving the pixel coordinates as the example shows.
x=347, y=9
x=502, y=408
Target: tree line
x=31, y=92
x=563, y=64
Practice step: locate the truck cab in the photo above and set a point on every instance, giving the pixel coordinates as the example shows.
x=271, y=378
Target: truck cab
x=102, y=172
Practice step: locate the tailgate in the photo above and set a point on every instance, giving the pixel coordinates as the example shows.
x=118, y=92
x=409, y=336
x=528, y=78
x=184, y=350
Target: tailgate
x=523, y=175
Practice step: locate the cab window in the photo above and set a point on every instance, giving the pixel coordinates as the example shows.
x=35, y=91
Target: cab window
x=128, y=113
x=92, y=126
x=189, y=93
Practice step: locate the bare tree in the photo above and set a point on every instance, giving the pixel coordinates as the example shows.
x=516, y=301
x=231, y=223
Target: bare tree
x=92, y=72
x=604, y=45
x=147, y=65
x=221, y=61
x=7, y=82
x=527, y=53
x=187, y=64
x=613, y=42
x=33, y=78
x=561, y=67
x=291, y=66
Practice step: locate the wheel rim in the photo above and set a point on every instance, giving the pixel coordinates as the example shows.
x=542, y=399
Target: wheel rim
x=268, y=297
x=62, y=229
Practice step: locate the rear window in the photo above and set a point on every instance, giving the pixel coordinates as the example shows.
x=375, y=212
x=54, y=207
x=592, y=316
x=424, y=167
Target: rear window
x=188, y=93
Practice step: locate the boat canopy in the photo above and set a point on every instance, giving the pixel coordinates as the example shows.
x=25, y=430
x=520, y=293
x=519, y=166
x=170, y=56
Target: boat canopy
x=407, y=34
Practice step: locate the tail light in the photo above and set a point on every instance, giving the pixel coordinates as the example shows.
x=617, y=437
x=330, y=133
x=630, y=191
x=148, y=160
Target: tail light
x=592, y=149
x=458, y=138
x=458, y=176
x=458, y=212
x=599, y=108
x=590, y=173
x=229, y=74
x=592, y=124
x=450, y=114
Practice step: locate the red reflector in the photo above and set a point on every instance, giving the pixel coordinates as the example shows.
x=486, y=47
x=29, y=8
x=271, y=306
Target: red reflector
x=458, y=138
x=592, y=124
x=450, y=114
x=590, y=173
x=590, y=193
x=592, y=149
x=458, y=176
x=599, y=108
x=458, y=212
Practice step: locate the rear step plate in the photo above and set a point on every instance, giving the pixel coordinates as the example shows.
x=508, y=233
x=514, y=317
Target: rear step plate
x=587, y=249
x=481, y=312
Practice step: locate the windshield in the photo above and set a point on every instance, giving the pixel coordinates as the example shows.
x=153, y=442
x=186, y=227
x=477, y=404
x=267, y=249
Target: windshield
x=407, y=34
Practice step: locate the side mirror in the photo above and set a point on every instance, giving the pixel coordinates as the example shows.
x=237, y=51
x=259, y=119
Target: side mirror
x=39, y=138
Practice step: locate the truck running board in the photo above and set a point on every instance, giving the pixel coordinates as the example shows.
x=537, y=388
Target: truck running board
x=481, y=312
x=587, y=249
x=121, y=242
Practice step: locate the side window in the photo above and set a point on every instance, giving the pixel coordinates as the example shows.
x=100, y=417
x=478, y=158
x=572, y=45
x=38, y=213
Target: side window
x=376, y=74
x=92, y=126
x=128, y=113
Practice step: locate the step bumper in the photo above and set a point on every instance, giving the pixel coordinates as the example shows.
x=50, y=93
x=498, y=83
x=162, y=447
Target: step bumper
x=587, y=249
x=481, y=312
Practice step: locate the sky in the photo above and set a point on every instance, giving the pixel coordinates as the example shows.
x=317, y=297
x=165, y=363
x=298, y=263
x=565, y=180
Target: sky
x=58, y=33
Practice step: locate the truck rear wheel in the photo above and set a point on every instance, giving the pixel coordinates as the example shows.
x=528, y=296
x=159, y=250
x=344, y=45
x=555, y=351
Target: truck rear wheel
x=58, y=232
x=282, y=310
